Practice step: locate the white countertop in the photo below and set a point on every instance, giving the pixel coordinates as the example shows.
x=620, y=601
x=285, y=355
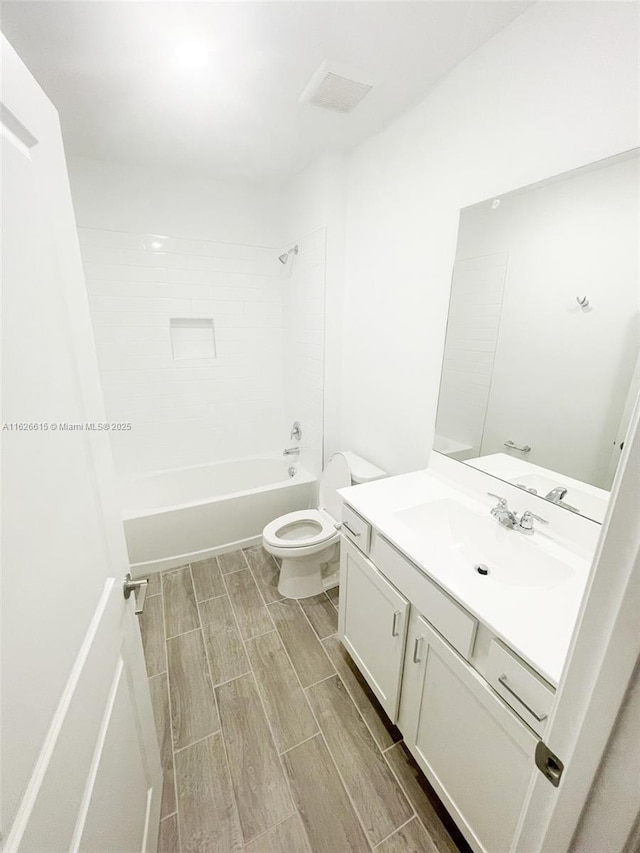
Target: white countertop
x=535, y=621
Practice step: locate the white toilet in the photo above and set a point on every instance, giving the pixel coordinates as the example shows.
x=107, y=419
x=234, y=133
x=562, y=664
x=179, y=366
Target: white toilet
x=307, y=541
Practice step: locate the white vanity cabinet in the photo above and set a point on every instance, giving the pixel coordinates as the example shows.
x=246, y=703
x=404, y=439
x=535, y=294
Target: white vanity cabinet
x=373, y=625
x=471, y=747
x=458, y=695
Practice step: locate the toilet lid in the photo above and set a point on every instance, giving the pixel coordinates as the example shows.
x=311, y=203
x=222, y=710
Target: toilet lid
x=304, y=527
x=336, y=475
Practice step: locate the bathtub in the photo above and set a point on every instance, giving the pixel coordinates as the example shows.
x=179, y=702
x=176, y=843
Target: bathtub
x=187, y=514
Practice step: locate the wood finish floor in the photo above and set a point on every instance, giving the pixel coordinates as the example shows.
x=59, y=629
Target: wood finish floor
x=271, y=741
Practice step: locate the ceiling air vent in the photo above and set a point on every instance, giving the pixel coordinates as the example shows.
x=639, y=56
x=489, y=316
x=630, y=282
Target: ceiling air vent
x=335, y=87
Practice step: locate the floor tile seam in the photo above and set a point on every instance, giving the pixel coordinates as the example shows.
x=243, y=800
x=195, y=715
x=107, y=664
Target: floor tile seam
x=233, y=607
x=184, y=633
x=234, y=801
x=321, y=735
x=246, y=566
x=197, y=741
x=186, y=567
x=244, y=841
x=319, y=730
x=314, y=634
x=342, y=781
x=211, y=598
x=171, y=734
x=311, y=623
x=391, y=834
x=255, y=681
x=404, y=793
x=262, y=834
x=206, y=657
x=305, y=740
x=286, y=650
x=253, y=575
x=362, y=717
x=269, y=726
x=403, y=789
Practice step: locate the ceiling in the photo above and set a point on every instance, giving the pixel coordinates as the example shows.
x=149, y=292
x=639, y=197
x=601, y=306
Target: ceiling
x=110, y=69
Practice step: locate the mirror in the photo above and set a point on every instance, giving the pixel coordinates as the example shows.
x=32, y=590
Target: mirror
x=541, y=369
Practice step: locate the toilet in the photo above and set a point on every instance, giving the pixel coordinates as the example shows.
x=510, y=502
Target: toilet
x=307, y=541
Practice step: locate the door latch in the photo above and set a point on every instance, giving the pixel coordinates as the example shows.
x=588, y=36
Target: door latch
x=140, y=587
x=548, y=763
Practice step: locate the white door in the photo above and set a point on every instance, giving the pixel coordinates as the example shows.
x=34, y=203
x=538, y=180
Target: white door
x=373, y=625
x=80, y=763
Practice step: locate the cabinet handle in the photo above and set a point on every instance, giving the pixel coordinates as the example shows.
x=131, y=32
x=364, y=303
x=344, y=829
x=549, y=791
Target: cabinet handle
x=394, y=627
x=346, y=527
x=503, y=680
x=416, y=649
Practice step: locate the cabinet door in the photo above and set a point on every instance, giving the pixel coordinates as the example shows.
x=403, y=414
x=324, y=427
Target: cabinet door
x=373, y=625
x=474, y=750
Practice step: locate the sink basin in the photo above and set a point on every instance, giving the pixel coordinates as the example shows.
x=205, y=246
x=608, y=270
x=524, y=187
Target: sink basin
x=462, y=539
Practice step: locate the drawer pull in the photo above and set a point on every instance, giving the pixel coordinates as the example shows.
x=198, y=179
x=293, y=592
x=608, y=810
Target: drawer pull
x=346, y=527
x=503, y=680
x=416, y=649
x=394, y=627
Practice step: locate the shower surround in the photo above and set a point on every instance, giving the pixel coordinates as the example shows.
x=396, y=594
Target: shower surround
x=267, y=322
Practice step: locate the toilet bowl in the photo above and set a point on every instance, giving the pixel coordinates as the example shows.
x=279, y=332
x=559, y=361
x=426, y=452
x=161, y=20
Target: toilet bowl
x=308, y=540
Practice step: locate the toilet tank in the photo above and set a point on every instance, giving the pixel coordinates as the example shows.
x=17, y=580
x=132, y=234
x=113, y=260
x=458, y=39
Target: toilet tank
x=361, y=470
x=343, y=469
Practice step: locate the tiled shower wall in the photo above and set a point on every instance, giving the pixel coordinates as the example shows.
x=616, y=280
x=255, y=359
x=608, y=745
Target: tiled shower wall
x=190, y=410
x=303, y=335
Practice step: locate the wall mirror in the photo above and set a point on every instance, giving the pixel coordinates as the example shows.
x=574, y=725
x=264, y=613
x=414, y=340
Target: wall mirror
x=541, y=364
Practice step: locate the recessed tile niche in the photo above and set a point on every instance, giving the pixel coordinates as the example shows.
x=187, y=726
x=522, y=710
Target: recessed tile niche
x=192, y=337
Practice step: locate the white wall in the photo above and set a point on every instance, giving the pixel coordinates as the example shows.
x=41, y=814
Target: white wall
x=561, y=373
x=130, y=198
x=214, y=261
x=556, y=89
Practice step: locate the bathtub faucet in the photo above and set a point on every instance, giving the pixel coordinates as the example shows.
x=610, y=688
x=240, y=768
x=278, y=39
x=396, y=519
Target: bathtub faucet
x=291, y=451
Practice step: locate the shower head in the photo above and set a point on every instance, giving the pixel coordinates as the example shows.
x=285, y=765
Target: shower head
x=285, y=256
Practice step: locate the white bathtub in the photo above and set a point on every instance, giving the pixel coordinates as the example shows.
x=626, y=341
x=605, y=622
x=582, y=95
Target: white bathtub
x=187, y=514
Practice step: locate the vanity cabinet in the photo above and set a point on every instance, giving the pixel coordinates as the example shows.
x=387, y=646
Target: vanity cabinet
x=373, y=625
x=460, y=709
x=475, y=752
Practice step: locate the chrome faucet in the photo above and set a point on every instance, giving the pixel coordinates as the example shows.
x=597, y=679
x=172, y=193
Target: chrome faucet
x=509, y=519
x=502, y=513
x=291, y=451
x=556, y=495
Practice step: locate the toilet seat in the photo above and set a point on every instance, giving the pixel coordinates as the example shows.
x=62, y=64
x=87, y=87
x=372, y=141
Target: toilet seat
x=302, y=529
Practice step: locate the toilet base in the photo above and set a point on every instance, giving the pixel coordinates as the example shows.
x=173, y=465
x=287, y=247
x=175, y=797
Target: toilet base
x=302, y=577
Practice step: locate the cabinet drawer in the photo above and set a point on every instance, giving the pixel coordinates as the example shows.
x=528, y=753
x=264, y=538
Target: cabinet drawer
x=356, y=528
x=455, y=624
x=529, y=696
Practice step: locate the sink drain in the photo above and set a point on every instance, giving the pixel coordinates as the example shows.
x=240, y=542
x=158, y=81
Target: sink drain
x=481, y=569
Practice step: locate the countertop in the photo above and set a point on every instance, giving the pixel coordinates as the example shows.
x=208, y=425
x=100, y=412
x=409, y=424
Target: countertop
x=535, y=621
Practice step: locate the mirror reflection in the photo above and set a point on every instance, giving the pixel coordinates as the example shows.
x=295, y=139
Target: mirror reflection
x=541, y=366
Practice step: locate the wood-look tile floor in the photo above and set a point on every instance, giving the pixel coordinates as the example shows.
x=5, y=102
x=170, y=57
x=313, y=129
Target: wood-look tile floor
x=270, y=739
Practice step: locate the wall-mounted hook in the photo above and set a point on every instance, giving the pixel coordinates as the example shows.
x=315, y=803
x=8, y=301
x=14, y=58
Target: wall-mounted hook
x=583, y=302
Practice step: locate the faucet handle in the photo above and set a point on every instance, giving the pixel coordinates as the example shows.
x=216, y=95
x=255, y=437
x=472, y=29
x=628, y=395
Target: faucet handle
x=527, y=516
x=525, y=525
x=502, y=502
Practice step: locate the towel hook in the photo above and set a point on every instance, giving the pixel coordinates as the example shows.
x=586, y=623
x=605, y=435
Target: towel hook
x=582, y=301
